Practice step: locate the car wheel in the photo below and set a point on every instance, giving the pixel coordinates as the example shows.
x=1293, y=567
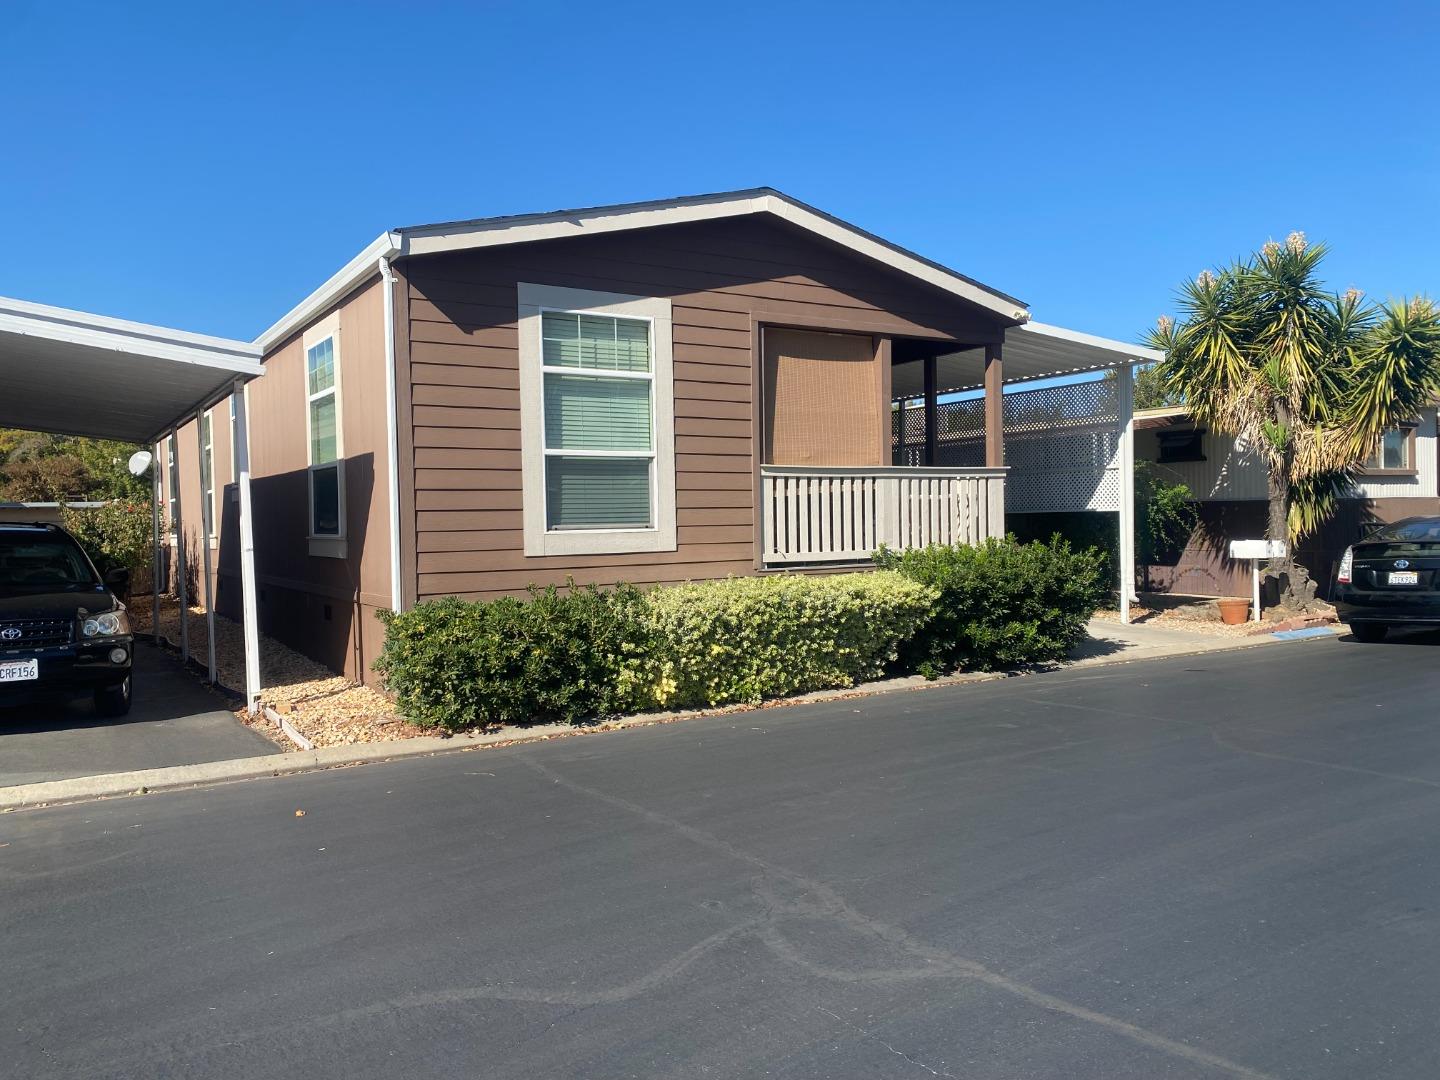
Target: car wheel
x=113, y=700
x=1369, y=631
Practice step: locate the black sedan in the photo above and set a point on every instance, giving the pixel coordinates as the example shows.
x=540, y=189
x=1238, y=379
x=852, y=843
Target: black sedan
x=62, y=628
x=1391, y=578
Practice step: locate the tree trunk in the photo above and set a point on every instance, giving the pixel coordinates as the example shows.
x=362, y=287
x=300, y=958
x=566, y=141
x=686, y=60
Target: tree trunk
x=1286, y=581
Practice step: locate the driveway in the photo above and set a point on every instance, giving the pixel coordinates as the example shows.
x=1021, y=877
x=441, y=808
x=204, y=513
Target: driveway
x=174, y=720
x=1222, y=865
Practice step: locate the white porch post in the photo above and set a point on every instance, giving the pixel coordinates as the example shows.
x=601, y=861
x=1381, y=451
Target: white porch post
x=155, y=562
x=179, y=529
x=249, y=608
x=1125, y=383
x=205, y=526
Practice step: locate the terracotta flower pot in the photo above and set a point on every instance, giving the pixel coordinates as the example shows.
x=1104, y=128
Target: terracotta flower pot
x=1234, y=609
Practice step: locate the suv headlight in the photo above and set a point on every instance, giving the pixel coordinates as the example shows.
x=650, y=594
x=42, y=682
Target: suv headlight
x=106, y=625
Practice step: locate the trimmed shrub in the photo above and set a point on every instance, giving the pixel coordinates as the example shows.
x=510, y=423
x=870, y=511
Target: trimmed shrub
x=116, y=535
x=746, y=639
x=1001, y=605
x=558, y=656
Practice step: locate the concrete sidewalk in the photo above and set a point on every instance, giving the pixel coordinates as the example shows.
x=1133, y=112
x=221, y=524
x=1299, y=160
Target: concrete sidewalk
x=1110, y=643
x=1113, y=642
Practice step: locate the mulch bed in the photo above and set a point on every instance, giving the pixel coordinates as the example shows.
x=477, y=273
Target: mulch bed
x=326, y=708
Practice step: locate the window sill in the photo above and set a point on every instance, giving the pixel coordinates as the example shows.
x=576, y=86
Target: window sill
x=600, y=542
x=1387, y=472
x=327, y=547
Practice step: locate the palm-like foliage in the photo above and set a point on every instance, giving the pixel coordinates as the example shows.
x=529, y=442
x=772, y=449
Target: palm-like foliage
x=1309, y=380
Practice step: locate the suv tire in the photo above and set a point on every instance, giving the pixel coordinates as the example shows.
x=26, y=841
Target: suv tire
x=113, y=700
x=1371, y=632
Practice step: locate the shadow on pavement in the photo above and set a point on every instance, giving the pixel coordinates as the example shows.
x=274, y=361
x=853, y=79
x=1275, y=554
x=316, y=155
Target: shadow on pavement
x=175, y=720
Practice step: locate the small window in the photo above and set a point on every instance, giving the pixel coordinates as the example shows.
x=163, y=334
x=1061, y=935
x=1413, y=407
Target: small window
x=207, y=475
x=173, y=481
x=1178, y=446
x=1395, y=452
x=323, y=422
x=234, y=439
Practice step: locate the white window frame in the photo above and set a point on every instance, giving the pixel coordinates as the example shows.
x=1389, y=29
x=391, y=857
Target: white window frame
x=326, y=545
x=207, y=472
x=172, y=482
x=660, y=534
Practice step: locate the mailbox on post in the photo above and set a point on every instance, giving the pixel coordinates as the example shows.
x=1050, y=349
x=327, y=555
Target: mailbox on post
x=1257, y=551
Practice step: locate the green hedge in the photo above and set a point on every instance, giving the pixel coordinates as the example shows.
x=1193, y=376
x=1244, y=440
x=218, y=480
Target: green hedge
x=746, y=639
x=558, y=656
x=1003, y=604
x=586, y=653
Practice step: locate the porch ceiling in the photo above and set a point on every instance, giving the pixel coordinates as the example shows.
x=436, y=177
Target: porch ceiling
x=1031, y=351
x=74, y=373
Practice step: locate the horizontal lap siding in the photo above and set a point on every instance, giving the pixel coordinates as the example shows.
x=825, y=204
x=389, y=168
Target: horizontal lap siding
x=464, y=387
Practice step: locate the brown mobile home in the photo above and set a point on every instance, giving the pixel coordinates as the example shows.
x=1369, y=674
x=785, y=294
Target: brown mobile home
x=656, y=392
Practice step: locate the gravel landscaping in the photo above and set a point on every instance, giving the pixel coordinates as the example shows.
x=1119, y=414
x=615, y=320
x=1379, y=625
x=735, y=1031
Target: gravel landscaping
x=326, y=708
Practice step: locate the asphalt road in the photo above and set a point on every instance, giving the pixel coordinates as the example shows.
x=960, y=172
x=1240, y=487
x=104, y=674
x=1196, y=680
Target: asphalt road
x=1218, y=866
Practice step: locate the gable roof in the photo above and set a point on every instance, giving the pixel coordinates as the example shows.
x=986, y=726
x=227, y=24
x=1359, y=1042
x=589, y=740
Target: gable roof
x=595, y=220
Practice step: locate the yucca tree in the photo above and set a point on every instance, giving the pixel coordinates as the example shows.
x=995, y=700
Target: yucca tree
x=1309, y=380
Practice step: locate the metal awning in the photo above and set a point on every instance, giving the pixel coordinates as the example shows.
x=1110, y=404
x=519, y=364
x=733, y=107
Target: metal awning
x=1031, y=351
x=74, y=373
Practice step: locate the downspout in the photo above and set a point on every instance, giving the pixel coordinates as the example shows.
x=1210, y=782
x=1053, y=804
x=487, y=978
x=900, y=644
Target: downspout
x=387, y=277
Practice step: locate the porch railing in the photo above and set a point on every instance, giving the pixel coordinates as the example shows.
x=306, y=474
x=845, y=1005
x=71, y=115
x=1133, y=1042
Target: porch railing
x=841, y=514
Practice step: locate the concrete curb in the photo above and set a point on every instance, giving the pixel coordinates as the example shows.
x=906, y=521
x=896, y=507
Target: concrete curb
x=146, y=781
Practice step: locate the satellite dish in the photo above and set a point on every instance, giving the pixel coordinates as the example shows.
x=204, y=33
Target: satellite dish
x=139, y=462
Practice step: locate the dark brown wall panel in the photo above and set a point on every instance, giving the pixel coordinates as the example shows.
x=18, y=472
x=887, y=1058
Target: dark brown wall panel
x=722, y=279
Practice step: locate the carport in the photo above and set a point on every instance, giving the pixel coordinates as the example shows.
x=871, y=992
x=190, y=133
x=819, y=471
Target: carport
x=73, y=373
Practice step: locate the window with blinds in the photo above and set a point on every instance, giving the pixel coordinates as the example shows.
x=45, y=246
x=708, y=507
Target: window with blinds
x=599, y=440
x=323, y=409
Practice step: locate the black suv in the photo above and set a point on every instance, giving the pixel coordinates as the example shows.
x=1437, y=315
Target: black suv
x=1391, y=578
x=62, y=629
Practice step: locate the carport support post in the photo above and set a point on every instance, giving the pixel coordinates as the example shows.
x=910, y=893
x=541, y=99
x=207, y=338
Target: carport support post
x=249, y=609
x=205, y=527
x=1125, y=403
x=178, y=527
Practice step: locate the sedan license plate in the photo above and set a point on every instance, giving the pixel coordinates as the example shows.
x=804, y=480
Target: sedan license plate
x=19, y=670
x=1404, y=577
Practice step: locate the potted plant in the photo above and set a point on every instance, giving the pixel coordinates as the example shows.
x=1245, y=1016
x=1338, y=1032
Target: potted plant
x=1234, y=609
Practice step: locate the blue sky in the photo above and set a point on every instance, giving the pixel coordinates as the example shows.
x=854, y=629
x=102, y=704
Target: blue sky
x=204, y=166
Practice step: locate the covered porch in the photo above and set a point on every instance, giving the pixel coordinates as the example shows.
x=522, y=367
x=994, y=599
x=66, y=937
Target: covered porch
x=930, y=444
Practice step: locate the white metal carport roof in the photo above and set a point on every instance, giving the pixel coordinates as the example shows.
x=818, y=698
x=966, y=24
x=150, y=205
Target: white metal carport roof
x=1031, y=351
x=74, y=373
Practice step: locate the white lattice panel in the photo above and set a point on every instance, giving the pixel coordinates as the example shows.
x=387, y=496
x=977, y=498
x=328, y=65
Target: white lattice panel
x=1062, y=444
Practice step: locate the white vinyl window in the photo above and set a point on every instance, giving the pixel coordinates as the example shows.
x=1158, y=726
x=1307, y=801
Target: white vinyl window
x=323, y=434
x=1393, y=453
x=234, y=440
x=172, y=480
x=598, y=405
x=207, y=475
x=597, y=423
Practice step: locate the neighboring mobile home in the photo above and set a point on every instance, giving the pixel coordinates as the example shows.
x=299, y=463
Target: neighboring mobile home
x=1228, y=484
x=654, y=392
